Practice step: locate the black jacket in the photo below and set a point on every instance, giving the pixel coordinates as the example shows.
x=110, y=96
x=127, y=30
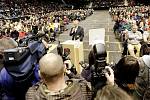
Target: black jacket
x=79, y=34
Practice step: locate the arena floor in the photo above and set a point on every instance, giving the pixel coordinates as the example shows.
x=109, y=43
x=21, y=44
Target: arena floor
x=100, y=19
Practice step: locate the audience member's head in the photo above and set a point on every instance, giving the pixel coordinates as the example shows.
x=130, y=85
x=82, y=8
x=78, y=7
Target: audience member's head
x=109, y=92
x=51, y=67
x=127, y=69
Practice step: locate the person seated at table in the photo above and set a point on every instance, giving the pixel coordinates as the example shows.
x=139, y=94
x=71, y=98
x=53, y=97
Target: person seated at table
x=134, y=39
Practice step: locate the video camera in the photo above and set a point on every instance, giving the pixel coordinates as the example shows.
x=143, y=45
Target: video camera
x=20, y=62
x=30, y=38
x=15, y=55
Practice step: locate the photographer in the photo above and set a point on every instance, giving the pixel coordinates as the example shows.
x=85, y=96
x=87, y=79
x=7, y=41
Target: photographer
x=98, y=73
x=110, y=91
x=54, y=86
x=101, y=75
x=96, y=68
x=5, y=43
x=19, y=68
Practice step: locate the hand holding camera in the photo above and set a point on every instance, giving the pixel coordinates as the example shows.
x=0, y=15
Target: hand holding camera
x=109, y=74
x=68, y=64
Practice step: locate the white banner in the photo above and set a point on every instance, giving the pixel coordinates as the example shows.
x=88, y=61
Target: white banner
x=96, y=36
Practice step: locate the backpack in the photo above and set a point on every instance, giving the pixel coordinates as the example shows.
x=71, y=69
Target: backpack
x=77, y=90
x=143, y=81
x=147, y=94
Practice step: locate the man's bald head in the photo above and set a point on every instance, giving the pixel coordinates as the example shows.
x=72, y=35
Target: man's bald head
x=51, y=65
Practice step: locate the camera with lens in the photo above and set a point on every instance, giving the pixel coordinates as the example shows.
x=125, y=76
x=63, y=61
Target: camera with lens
x=94, y=72
x=97, y=62
x=31, y=38
x=20, y=61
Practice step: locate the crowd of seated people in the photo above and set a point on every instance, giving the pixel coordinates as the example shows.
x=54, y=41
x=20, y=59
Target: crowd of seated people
x=130, y=20
x=49, y=18
x=21, y=9
x=129, y=79
x=132, y=27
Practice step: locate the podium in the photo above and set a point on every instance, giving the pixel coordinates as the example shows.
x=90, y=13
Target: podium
x=76, y=54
